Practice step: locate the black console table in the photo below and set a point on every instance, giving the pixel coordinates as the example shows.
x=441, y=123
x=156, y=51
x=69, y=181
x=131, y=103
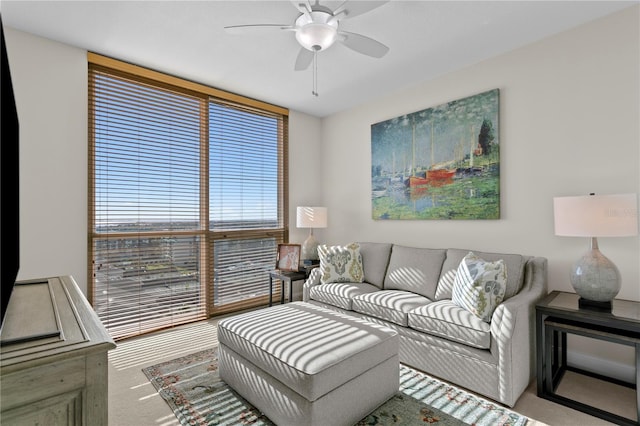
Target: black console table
x=559, y=314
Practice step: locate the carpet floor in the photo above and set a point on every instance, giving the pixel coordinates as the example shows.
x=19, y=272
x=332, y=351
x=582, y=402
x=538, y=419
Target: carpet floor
x=192, y=388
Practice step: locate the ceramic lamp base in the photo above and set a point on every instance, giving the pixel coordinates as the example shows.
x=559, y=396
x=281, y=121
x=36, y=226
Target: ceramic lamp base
x=595, y=277
x=309, y=249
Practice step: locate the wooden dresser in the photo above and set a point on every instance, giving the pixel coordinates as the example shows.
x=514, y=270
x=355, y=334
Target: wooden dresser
x=53, y=357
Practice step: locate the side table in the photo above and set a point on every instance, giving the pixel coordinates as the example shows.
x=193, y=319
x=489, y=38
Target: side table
x=557, y=315
x=284, y=277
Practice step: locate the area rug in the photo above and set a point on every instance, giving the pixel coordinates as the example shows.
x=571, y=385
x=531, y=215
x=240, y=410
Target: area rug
x=192, y=388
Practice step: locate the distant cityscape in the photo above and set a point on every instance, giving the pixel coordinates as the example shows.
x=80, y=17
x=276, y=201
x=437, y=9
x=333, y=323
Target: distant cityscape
x=153, y=277
x=130, y=225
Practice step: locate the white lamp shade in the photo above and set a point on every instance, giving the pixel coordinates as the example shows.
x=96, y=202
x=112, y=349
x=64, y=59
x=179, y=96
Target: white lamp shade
x=311, y=217
x=596, y=215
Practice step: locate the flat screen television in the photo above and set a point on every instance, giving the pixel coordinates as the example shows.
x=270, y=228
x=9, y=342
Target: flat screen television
x=9, y=184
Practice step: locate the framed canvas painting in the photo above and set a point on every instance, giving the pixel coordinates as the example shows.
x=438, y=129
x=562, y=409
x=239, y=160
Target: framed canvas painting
x=439, y=163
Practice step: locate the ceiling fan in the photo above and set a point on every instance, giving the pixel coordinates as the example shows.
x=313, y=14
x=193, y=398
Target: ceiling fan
x=318, y=27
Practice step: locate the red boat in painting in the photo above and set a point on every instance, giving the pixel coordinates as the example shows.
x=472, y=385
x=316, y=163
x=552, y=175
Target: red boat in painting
x=442, y=177
x=439, y=174
x=416, y=181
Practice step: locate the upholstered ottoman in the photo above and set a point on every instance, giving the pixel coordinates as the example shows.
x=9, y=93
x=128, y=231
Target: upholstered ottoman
x=301, y=364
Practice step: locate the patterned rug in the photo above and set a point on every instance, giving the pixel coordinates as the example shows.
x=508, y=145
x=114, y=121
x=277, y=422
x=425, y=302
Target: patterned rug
x=192, y=388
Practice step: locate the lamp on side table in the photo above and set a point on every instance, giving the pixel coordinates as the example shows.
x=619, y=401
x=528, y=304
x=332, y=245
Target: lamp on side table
x=594, y=277
x=311, y=217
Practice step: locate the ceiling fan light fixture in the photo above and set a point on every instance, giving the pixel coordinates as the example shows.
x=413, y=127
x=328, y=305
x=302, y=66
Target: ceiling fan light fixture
x=316, y=31
x=317, y=28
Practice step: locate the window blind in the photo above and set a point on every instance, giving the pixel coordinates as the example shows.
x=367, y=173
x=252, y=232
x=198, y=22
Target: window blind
x=146, y=187
x=240, y=270
x=143, y=284
x=187, y=199
x=245, y=183
x=243, y=173
x=147, y=157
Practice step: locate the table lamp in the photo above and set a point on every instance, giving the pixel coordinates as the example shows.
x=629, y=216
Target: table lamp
x=311, y=217
x=594, y=277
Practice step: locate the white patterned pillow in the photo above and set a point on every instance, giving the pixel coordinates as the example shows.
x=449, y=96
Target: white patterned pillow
x=479, y=285
x=341, y=264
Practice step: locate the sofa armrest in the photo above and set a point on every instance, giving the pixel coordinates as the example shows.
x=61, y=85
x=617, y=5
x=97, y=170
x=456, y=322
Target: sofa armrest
x=533, y=289
x=513, y=334
x=314, y=279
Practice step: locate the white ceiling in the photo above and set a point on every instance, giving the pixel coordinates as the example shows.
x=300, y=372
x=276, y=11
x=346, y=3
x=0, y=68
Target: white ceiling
x=187, y=39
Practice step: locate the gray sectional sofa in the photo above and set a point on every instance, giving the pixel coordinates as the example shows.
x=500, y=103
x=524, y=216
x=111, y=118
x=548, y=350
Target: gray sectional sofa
x=410, y=290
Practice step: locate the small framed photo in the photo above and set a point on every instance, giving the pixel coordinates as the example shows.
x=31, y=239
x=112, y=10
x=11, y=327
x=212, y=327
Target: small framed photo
x=288, y=258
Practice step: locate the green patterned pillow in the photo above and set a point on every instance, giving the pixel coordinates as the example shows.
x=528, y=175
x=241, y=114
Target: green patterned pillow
x=341, y=264
x=479, y=285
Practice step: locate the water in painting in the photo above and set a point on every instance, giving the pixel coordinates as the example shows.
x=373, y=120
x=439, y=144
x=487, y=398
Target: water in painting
x=438, y=163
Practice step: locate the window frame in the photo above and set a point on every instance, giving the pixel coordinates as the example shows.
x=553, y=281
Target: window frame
x=207, y=236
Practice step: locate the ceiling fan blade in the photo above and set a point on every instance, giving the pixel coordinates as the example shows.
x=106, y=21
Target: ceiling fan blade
x=303, y=6
x=304, y=59
x=256, y=28
x=362, y=44
x=354, y=8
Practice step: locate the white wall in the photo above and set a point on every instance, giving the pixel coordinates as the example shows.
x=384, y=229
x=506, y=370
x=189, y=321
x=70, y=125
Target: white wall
x=569, y=125
x=50, y=85
x=305, y=186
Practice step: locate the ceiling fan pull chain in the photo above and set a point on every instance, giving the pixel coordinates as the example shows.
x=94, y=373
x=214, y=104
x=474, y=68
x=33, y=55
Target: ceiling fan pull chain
x=314, y=92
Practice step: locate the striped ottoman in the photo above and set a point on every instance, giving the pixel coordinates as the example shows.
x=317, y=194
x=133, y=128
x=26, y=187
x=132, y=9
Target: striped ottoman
x=301, y=364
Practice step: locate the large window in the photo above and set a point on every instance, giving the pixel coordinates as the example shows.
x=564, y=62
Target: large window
x=187, y=198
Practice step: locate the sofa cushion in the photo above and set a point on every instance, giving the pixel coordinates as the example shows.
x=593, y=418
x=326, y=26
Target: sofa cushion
x=414, y=269
x=514, y=263
x=445, y=319
x=340, y=294
x=375, y=258
x=479, y=286
x=341, y=264
x=389, y=305
x=445, y=283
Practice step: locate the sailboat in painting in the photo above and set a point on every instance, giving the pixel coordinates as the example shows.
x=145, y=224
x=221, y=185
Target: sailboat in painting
x=440, y=173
